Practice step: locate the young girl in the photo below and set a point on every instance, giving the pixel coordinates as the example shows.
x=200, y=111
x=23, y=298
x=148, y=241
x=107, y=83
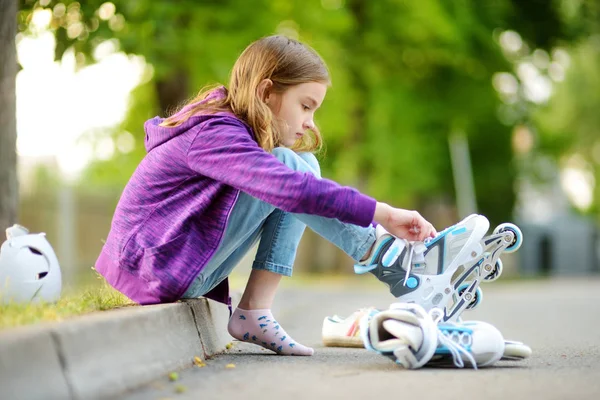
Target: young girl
x=234, y=167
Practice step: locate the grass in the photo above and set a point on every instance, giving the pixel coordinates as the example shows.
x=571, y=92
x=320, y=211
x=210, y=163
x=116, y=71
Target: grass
x=101, y=296
x=92, y=298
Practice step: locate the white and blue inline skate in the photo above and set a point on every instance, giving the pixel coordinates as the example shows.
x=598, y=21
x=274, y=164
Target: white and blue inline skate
x=445, y=271
x=414, y=338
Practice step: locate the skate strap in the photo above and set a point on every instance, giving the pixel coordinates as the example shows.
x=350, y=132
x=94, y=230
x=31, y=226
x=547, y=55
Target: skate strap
x=393, y=252
x=363, y=269
x=405, y=357
x=411, y=249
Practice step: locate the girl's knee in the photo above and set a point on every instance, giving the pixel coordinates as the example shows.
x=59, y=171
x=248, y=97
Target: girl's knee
x=286, y=156
x=312, y=161
x=305, y=162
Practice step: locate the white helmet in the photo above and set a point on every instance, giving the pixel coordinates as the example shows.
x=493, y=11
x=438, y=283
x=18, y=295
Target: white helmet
x=29, y=270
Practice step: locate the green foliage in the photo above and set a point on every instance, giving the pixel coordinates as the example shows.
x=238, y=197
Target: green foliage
x=573, y=111
x=406, y=74
x=570, y=124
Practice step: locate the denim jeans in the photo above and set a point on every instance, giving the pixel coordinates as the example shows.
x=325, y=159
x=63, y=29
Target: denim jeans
x=279, y=232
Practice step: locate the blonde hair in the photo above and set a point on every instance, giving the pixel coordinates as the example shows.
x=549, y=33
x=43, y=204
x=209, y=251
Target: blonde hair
x=286, y=62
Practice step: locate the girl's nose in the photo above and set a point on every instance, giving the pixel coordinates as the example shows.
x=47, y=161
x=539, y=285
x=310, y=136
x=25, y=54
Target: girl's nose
x=309, y=124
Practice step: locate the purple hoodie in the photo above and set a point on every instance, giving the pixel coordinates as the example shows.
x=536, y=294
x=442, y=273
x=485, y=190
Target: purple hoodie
x=173, y=211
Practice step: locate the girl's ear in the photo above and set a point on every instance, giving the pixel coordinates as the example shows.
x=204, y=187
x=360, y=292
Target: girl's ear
x=263, y=90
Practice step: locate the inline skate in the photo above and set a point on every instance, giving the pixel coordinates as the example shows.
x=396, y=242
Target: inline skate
x=445, y=271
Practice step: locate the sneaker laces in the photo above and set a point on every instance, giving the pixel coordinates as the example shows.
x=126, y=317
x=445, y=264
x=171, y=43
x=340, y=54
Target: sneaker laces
x=454, y=348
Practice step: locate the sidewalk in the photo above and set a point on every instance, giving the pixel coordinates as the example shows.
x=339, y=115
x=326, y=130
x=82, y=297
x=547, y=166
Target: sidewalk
x=556, y=317
x=106, y=353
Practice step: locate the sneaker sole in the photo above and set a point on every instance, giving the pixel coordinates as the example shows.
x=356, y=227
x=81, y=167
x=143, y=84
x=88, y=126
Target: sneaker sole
x=343, y=341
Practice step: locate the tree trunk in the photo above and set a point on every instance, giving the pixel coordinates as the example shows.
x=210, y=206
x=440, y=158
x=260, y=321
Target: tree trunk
x=356, y=70
x=8, y=118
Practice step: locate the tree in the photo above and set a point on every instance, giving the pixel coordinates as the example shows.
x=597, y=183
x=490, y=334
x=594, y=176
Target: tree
x=8, y=120
x=569, y=125
x=406, y=75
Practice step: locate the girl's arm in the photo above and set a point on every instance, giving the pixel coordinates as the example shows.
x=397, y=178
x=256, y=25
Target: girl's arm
x=224, y=150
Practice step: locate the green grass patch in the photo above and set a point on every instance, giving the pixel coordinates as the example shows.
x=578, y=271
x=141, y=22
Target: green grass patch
x=98, y=297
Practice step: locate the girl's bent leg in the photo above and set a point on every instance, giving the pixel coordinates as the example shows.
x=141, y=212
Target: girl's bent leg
x=253, y=321
x=241, y=234
x=279, y=240
x=279, y=233
x=282, y=230
x=260, y=290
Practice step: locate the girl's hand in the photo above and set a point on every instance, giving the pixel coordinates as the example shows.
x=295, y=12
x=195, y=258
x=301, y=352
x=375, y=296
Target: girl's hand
x=405, y=224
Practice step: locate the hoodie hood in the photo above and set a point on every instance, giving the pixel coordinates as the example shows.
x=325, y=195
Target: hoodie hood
x=157, y=135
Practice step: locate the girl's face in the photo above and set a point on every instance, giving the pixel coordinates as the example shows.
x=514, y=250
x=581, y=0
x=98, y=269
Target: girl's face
x=295, y=109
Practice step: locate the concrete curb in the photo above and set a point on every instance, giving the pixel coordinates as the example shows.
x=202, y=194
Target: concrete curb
x=106, y=353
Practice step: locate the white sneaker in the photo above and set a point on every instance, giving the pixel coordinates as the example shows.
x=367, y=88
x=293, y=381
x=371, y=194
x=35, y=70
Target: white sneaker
x=344, y=332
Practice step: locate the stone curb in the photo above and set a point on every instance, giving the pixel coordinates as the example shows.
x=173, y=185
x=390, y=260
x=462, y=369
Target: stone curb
x=107, y=353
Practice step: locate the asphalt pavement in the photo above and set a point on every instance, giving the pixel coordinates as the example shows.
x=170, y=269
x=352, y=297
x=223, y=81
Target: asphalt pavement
x=558, y=318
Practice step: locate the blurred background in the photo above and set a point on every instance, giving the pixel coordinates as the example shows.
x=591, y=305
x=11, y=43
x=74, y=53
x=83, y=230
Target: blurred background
x=446, y=107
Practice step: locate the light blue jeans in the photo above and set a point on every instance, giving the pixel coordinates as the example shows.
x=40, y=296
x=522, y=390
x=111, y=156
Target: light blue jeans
x=279, y=232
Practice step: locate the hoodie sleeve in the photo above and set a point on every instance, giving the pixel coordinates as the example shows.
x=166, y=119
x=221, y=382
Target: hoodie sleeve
x=224, y=150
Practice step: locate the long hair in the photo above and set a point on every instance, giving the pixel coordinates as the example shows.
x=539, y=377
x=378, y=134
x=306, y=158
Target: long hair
x=286, y=62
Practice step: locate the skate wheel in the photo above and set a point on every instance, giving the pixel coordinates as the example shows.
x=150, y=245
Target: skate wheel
x=518, y=236
x=477, y=296
x=475, y=302
x=496, y=272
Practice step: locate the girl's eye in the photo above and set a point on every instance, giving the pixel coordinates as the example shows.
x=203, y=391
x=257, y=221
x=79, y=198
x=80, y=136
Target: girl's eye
x=304, y=106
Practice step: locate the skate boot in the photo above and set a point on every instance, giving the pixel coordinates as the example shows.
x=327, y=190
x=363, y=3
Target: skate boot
x=405, y=333
x=414, y=338
x=482, y=341
x=421, y=272
x=345, y=332
x=435, y=273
